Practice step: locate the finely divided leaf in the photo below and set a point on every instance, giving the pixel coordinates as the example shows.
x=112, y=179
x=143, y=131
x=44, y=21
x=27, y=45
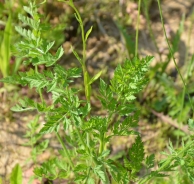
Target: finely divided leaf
x=57, y=56
x=26, y=33
x=105, y=153
x=129, y=79
x=19, y=108
x=136, y=154
x=28, y=21
x=125, y=127
x=31, y=10
x=47, y=46
x=150, y=161
x=80, y=168
x=98, y=170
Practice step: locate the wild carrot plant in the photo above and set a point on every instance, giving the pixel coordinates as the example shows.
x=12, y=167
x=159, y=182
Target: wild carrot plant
x=85, y=156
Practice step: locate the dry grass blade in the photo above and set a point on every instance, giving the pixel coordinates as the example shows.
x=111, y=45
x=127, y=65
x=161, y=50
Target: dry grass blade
x=168, y=120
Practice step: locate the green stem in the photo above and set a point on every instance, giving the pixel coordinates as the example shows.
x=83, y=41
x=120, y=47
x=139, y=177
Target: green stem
x=39, y=91
x=84, y=69
x=106, y=176
x=82, y=141
x=41, y=97
x=150, y=29
x=81, y=138
x=189, y=66
x=82, y=31
x=36, y=69
x=88, y=175
x=137, y=29
x=172, y=55
x=85, y=72
x=101, y=148
x=86, y=85
x=65, y=149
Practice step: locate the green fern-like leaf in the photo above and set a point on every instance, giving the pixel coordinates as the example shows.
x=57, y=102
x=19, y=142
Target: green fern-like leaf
x=129, y=79
x=30, y=22
x=26, y=33
x=136, y=155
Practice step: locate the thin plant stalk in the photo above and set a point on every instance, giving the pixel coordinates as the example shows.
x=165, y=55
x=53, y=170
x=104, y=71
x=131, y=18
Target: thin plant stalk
x=86, y=80
x=137, y=29
x=39, y=91
x=190, y=62
x=150, y=30
x=65, y=149
x=83, y=63
x=172, y=55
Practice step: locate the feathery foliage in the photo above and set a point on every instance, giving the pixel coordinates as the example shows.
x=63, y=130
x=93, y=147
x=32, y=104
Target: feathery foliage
x=85, y=156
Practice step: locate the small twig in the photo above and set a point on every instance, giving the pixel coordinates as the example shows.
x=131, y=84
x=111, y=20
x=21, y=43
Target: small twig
x=167, y=119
